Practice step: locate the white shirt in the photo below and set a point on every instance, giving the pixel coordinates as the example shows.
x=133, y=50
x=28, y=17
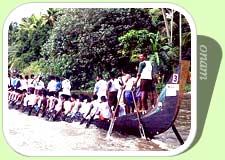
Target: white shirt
x=58, y=106
x=66, y=86
x=67, y=106
x=76, y=106
x=125, y=78
x=105, y=110
x=100, y=88
x=39, y=85
x=129, y=84
x=113, y=86
x=52, y=86
x=32, y=99
x=95, y=108
x=31, y=83
x=24, y=84
x=85, y=107
x=147, y=71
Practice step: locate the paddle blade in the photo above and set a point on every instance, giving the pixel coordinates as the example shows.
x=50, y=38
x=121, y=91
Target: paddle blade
x=110, y=128
x=142, y=132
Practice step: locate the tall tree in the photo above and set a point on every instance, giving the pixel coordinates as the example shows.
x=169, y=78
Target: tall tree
x=88, y=39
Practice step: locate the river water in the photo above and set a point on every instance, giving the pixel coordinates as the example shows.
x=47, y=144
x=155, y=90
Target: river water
x=31, y=135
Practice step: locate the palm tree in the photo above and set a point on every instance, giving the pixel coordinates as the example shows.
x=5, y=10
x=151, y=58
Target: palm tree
x=29, y=23
x=51, y=16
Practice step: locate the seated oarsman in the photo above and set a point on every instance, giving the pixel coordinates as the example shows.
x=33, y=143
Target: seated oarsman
x=57, y=112
x=86, y=109
x=37, y=107
x=13, y=98
x=85, y=105
x=25, y=101
x=67, y=107
x=105, y=110
x=28, y=100
x=93, y=112
x=34, y=101
x=96, y=105
x=20, y=98
x=52, y=101
x=75, y=115
x=44, y=102
x=12, y=95
x=15, y=80
x=15, y=90
x=74, y=103
x=80, y=108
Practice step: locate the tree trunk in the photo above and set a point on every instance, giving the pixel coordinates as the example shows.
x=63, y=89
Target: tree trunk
x=166, y=24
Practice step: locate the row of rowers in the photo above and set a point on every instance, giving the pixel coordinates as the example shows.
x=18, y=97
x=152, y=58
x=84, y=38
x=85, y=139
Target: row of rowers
x=20, y=83
x=53, y=104
x=55, y=107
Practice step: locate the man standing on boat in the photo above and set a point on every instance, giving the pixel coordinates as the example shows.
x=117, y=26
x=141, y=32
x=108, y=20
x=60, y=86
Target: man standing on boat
x=146, y=84
x=112, y=91
x=100, y=87
x=66, y=85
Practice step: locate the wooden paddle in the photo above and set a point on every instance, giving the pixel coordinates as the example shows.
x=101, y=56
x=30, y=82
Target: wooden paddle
x=141, y=128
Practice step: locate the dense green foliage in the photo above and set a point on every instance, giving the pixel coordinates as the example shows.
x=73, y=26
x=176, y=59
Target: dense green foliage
x=87, y=46
x=27, y=38
x=82, y=43
x=162, y=56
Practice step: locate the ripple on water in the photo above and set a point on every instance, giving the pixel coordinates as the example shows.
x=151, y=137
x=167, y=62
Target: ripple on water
x=36, y=134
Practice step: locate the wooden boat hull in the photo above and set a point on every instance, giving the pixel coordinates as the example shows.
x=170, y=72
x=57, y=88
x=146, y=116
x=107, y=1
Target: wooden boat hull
x=153, y=125
x=159, y=119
